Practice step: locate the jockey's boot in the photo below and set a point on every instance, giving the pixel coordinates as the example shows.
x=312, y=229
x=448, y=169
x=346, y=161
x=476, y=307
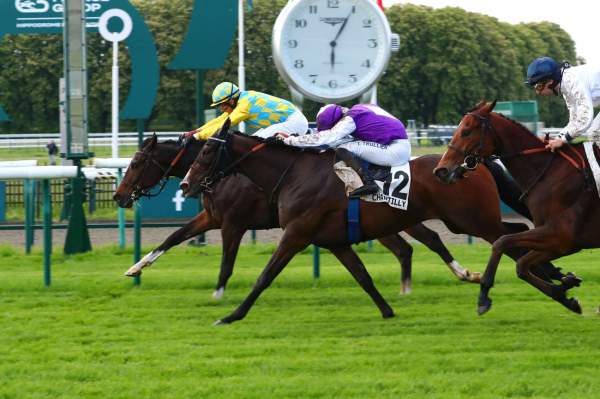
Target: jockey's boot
x=369, y=186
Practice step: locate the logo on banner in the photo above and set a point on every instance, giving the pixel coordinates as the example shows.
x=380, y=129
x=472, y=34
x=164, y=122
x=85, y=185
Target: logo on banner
x=32, y=6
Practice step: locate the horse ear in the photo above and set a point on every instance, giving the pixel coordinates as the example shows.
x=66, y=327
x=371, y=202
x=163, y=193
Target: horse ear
x=225, y=129
x=488, y=107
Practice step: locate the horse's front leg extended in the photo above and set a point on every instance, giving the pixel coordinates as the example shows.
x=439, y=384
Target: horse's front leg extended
x=199, y=224
x=289, y=246
x=231, y=236
x=355, y=266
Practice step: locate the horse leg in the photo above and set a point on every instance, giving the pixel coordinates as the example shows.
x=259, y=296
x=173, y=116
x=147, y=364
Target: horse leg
x=289, y=246
x=354, y=265
x=556, y=292
x=402, y=250
x=231, y=237
x=546, y=271
x=432, y=240
x=199, y=224
x=544, y=239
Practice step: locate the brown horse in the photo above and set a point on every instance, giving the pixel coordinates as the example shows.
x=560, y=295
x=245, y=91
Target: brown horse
x=561, y=199
x=239, y=205
x=312, y=203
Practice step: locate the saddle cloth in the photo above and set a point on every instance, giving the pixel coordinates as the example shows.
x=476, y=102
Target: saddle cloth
x=394, y=189
x=592, y=157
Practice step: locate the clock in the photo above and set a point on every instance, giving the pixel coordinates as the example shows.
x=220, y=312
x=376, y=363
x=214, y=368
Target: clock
x=331, y=50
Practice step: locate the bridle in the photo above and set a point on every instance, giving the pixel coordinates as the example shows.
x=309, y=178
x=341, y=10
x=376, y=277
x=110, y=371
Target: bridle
x=223, y=164
x=137, y=191
x=472, y=159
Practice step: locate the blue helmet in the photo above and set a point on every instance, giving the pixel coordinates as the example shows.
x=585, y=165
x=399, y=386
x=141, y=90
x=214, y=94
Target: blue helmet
x=541, y=69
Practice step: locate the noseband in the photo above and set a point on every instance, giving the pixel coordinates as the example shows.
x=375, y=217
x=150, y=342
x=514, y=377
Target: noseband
x=472, y=159
x=137, y=191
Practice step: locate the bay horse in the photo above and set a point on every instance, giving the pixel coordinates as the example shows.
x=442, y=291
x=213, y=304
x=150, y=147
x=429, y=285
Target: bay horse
x=312, y=204
x=236, y=206
x=560, y=197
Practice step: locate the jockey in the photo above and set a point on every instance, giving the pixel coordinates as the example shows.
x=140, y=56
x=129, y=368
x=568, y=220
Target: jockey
x=259, y=110
x=580, y=88
x=363, y=131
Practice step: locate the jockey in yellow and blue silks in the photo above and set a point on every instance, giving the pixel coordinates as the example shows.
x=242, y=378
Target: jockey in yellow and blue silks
x=267, y=113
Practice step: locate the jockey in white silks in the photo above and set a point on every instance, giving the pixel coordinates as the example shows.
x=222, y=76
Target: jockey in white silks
x=580, y=88
x=363, y=132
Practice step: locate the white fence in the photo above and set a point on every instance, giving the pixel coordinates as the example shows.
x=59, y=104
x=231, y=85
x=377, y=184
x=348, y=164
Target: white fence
x=39, y=140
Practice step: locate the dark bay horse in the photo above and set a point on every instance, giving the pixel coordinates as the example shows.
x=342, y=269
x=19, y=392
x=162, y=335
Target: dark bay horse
x=238, y=205
x=563, y=202
x=312, y=203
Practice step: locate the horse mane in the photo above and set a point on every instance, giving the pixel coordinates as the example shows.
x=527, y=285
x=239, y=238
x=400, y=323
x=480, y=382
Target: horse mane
x=514, y=122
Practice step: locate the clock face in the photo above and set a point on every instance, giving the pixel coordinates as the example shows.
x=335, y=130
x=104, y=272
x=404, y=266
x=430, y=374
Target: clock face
x=331, y=50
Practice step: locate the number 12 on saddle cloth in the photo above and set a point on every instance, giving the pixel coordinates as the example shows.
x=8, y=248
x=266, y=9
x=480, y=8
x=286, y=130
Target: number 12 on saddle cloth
x=394, y=189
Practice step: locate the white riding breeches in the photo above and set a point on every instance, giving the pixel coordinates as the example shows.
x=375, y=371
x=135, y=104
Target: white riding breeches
x=394, y=154
x=296, y=123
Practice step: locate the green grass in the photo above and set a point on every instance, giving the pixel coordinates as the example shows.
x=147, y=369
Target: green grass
x=93, y=335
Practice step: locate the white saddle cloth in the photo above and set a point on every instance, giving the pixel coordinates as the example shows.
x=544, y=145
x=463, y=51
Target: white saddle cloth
x=395, y=192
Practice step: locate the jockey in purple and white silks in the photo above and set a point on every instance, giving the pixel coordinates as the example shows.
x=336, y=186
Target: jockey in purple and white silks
x=365, y=132
x=580, y=88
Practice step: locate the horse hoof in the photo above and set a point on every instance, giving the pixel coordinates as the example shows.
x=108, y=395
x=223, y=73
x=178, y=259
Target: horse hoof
x=405, y=289
x=570, y=280
x=484, y=307
x=473, y=277
x=573, y=305
x=218, y=294
x=129, y=273
x=388, y=314
x=219, y=323
x=598, y=311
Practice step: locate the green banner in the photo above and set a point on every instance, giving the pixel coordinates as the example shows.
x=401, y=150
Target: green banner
x=209, y=36
x=46, y=16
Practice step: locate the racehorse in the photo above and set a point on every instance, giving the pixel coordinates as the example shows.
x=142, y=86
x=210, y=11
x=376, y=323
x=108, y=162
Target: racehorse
x=237, y=206
x=555, y=186
x=312, y=203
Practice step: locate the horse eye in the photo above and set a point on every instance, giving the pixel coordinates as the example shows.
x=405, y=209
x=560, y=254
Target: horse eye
x=465, y=133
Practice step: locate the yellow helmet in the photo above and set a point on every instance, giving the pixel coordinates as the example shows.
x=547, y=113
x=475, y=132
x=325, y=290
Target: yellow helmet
x=224, y=91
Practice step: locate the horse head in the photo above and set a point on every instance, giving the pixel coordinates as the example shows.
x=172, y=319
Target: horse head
x=148, y=167
x=211, y=164
x=472, y=142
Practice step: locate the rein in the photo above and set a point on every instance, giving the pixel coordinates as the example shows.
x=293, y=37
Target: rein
x=138, y=192
x=215, y=173
x=471, y=160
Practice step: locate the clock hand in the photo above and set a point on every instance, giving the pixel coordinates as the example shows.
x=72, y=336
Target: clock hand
x=342, y=27
x=332, y=56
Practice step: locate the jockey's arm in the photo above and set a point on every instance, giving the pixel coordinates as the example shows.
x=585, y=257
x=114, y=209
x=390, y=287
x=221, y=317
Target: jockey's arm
x=239, y=114
x=581, y=110
x=343, y=128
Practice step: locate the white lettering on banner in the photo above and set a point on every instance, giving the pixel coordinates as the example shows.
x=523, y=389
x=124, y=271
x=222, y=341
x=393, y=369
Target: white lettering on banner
x=42, y=6
x=178, y=199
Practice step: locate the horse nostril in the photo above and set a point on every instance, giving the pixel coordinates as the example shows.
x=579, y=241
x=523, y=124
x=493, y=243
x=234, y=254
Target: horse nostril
x=184, y=186
x=440, y=172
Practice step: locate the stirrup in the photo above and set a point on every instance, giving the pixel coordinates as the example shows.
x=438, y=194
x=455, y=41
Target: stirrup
x=369, y=188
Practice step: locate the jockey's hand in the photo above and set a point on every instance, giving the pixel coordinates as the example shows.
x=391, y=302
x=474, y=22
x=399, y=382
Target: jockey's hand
x=281, y=136
x=554, y=144
x=185, y=137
